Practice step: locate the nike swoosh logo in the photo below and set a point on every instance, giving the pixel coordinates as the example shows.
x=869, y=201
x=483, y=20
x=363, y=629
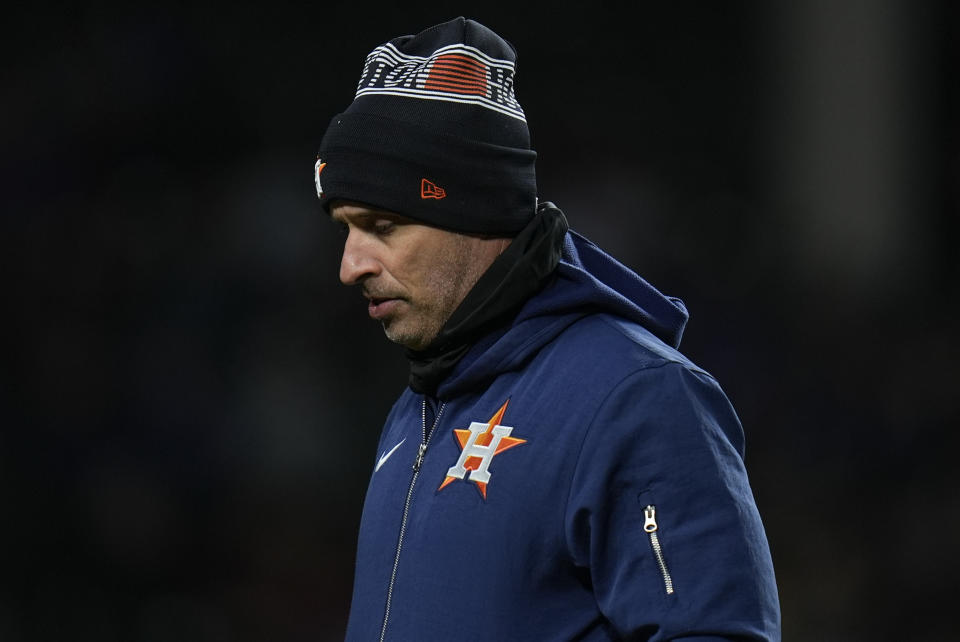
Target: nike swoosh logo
x=384, y=457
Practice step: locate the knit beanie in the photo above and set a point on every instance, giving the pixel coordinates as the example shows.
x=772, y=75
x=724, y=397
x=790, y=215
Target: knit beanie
x=435, y=133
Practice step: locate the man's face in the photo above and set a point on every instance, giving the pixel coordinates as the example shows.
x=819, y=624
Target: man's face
x=413, y=275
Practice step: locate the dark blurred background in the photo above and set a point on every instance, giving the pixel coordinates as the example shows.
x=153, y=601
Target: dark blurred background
x=191, y=401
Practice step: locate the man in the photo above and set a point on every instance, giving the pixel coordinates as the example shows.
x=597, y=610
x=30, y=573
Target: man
x=556, y=470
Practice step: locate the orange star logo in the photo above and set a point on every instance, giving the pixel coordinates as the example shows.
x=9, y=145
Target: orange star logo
x=317, y=170
x=479, y=444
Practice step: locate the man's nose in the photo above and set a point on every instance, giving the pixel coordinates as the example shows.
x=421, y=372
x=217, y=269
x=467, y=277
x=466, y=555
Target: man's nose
x=358, y=262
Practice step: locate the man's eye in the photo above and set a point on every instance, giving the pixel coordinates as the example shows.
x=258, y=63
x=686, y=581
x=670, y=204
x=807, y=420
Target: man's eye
x=384, y=227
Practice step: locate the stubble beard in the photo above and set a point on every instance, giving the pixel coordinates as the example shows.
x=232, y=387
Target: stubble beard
x=455, y=274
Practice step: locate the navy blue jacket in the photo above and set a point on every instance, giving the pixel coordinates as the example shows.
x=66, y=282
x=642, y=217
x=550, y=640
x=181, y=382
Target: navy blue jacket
x=582, y=480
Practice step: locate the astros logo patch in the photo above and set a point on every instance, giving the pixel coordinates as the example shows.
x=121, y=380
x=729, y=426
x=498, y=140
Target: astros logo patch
x=479, y=444
x=317, y=170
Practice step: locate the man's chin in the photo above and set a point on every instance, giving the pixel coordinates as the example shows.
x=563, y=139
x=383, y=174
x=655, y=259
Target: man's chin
x=408, y=339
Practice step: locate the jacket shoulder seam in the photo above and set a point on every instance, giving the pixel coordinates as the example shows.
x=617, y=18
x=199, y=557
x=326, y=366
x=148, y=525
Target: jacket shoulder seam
x=661, y=359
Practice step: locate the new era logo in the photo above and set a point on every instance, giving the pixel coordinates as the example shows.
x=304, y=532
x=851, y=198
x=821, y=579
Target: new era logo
x=431, y=190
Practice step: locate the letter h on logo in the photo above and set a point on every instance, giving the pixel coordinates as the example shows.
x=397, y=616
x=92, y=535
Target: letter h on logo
x=485, y=454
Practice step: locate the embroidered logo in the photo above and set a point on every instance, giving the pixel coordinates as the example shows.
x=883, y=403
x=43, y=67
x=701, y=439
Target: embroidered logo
x=431, y=190
x=317, y=170
x=479, y=444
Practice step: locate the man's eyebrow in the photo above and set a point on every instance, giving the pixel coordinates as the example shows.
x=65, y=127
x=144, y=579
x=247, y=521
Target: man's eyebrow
x=368, y=217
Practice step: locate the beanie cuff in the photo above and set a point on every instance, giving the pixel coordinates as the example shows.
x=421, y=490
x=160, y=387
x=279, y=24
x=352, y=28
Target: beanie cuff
x=440, y=179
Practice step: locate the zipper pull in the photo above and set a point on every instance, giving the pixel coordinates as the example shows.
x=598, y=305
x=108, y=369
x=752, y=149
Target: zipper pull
x=420, y=453
x=650, y=519
x=650, y=526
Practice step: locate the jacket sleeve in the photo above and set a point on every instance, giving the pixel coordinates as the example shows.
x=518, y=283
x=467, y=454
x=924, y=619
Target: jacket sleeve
x=661, y=514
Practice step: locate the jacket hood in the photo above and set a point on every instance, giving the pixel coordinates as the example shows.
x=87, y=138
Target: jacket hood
x=586, y=280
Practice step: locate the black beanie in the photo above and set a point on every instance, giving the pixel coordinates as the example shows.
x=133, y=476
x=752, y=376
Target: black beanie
x=435, y=133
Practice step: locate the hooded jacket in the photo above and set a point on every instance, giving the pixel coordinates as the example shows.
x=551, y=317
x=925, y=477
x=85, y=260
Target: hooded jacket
x=575, y=478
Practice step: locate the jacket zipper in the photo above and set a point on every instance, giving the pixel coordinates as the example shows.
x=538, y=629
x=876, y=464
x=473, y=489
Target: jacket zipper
x=406, y=507
x=650, y=526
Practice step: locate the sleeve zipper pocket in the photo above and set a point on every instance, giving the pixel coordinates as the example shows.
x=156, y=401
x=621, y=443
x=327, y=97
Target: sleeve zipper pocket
x=650, y=526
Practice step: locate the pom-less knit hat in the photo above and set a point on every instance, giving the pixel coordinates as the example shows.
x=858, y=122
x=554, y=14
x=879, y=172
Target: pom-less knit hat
x=435, y=133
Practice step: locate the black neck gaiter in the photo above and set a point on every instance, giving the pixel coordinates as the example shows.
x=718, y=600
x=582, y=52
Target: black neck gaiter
x=511, y=279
